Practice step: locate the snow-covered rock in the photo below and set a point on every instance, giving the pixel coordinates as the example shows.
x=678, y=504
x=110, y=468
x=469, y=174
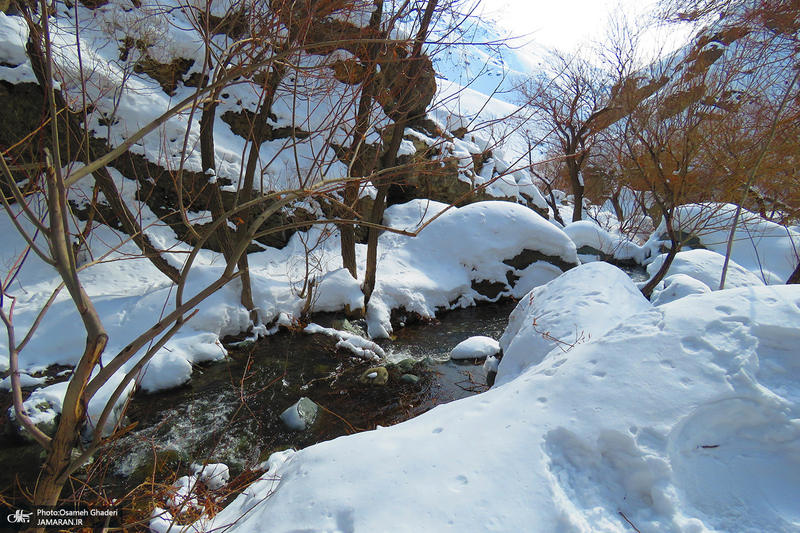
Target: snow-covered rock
x=705, y=266
x=589, y=239
x=477, y=347
x=480, y=252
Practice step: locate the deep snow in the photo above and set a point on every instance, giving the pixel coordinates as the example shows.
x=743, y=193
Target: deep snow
x=682, y=417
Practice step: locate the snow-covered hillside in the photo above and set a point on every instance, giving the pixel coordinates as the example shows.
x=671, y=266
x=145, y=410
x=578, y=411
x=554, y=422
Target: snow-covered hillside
x=609, y=413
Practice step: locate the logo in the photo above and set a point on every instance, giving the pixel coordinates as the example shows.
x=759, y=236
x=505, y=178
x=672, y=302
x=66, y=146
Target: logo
x=19, y=517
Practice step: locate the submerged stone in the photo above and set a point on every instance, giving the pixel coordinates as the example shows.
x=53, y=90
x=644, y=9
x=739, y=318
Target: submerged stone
x=410, y=378
x=405, y=365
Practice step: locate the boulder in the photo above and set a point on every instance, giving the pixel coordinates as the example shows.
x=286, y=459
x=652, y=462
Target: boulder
x=375, y=376
x=301, y=415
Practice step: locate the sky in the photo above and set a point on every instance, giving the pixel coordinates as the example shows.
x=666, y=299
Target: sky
x=567, y=24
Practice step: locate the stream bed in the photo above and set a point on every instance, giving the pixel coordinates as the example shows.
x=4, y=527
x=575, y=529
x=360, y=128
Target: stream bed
x=230, y=410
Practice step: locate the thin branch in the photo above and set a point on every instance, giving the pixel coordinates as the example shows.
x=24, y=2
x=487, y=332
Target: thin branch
x=16, y=386
x=752, y=177
x=97, y=438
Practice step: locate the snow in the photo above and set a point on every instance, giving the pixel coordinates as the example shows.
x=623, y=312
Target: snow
x=587, y=233
x=25, y=380
x=681, y=414
x=436, y=268
x=476, y=347
x=677, y=286
x=13, y=36
x=214, y=475
x=705, y=266
x=682, y=417
x=359, y=346
x=769, y=250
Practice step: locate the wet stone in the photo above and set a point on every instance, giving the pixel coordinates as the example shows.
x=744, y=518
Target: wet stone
x=405, y=365
x=410, y=378
x=301, y=415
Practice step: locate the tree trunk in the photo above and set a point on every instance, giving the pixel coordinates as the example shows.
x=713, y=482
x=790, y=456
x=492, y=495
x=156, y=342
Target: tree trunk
x=577, y=187
x=617, y=206
x=795, y=277
x=389, y=158
x=257, y=137
x=647, y=290
x=73, y=412
x=208, y=161
x=360, y=165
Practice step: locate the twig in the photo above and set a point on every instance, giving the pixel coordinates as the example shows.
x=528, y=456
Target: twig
x=355, y=430
x=628, y=521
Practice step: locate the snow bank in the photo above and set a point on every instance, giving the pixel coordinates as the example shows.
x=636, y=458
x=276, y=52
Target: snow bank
x=769, y=250
x=554, y=317
x=681, y=418
x=705, y=266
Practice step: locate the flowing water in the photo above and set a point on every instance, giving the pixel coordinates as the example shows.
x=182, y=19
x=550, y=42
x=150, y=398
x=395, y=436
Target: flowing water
x=230, y=411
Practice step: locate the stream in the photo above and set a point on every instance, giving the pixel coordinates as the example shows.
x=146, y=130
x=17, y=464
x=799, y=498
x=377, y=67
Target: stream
x=229, y=412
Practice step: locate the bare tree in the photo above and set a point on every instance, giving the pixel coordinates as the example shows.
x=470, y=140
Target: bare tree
x=568, y=100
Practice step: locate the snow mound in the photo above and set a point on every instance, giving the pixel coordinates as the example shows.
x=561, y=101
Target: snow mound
x=675, y=287
x=680, y=418
x=768, y=250
x=580, y=305
x=706, y=267
x=476, y=347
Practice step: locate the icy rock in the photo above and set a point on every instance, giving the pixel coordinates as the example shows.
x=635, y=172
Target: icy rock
x=301, y=415
x=478, y=347
x=490, y=367
x=375, y=376
x=405, y=365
